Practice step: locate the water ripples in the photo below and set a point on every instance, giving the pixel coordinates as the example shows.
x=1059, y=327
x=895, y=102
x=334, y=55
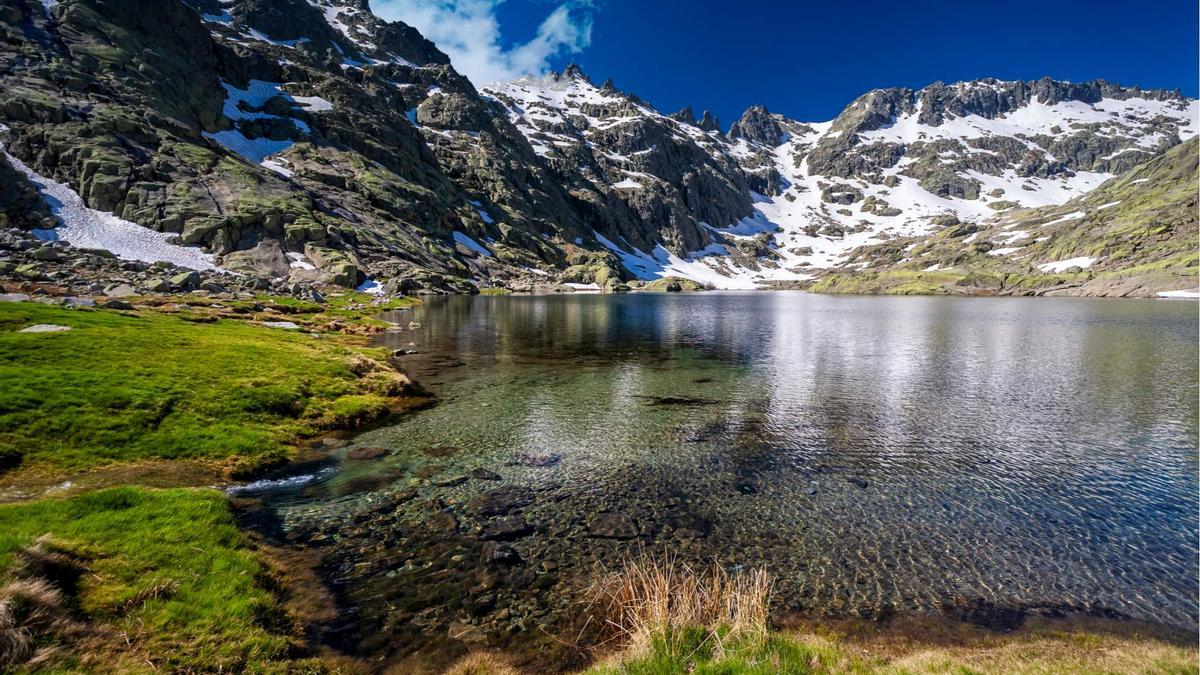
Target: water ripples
x=875, y=454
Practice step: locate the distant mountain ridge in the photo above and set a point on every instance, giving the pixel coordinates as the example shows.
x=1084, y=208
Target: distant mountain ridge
x=299, y=139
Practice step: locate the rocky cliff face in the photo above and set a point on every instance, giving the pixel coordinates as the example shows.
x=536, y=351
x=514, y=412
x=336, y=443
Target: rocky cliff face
x=307, y=141
x=1135, y=235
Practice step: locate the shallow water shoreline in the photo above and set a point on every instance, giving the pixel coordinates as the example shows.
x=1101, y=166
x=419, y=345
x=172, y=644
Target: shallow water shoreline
x=416, y=510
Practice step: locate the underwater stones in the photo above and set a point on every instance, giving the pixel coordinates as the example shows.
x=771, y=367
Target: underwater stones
x=746, y=486
x=450, y=482
x=442, y=522
x=689, y=525
x=613, y=526
x=536, y=460
x=441, y=451
x=498, y=553
x=500, y=501
x=402, y=497
x=429, y=470
x=506, y=529
x=367, y=453
x=480, y=473
x=986, y=614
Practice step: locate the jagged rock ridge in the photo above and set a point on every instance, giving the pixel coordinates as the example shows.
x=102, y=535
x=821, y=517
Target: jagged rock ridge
x=279, y=134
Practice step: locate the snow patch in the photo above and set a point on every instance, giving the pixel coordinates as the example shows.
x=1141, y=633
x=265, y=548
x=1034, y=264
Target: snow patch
x=1070, y=216
x=370, y=286
x=297, y=261
x=84, y=227
x=313, y=103
x=278, y=167
x=1194, y=293
x=471, y=244
x=254, y=150
x=1062, y=265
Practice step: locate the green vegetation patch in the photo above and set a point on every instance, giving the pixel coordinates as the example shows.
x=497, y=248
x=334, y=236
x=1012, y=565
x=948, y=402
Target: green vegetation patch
x=164, y=581
x=698, y=651
x=123, y=387
x=1043, y=650
x=892, y=282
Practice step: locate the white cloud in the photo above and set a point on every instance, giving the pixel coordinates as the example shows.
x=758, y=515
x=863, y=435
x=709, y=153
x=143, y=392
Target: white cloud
x=467, y=30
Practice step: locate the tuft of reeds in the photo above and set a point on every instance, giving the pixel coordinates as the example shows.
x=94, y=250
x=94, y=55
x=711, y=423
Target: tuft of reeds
x=34, y=610
x=651, y=599
x=29, y=609
x=482, y=663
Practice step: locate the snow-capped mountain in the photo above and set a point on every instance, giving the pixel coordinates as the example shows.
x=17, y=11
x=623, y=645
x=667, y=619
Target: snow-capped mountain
x=277, y=134
x=895, y=163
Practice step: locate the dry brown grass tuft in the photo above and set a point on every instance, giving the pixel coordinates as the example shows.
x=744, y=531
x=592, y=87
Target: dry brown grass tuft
x=482, y=663
x=650, y=598
x=35, y=607
x=29, y=610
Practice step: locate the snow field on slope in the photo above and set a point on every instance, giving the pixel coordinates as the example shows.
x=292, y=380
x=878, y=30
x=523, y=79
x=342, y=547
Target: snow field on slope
x=83, y=227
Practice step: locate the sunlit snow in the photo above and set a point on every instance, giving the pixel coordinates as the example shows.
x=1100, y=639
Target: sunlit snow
x=84, y=227
x=1062, y=265
x=471, y=244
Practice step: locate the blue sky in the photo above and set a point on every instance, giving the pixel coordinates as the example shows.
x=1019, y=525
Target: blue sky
x=809, y=60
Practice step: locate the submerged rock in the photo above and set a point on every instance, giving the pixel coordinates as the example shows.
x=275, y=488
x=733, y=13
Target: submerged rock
x=367, y=453
x=500, y=501
x=613, y=526
x=530, y=459
x=498, y=553
x=443, y=522
x=506, y=528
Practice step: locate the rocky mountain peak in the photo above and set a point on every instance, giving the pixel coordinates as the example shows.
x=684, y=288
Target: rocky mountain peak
x=708, y=122
x=685, y=115
x=355, y=134
x=574, y=72
x=758, y=125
